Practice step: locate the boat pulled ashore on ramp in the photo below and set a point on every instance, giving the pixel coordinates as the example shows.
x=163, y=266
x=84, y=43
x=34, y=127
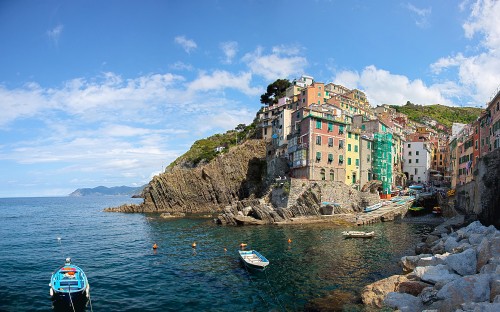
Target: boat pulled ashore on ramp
x=253, y=259
x=69, y=285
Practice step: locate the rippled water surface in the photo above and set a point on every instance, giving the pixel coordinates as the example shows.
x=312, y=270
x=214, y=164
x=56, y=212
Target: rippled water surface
x=125, y=274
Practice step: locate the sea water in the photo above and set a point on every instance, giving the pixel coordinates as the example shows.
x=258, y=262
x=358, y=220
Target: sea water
x=311, y=272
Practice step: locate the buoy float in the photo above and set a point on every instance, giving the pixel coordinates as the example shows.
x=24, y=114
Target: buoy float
x=289, y=240
x=225, y=249
x=243, y=245
x=193, y=245
x=155, y=246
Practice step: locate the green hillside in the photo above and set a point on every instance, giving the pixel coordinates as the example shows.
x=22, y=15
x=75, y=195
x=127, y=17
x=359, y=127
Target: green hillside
x=445, y=115
x=203, y=150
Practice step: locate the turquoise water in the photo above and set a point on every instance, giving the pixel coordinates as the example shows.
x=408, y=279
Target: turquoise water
x=125, y=274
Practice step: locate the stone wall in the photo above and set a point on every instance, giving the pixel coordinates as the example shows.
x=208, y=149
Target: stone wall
x=480, y=198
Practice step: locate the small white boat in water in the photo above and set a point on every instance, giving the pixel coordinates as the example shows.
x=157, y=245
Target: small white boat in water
x=358, y=234
x=253, y=259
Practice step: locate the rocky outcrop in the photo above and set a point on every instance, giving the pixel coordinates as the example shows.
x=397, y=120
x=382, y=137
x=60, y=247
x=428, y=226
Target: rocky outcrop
x=289, y=199
x=238, y=174
x=464, y=275
x=480, y=198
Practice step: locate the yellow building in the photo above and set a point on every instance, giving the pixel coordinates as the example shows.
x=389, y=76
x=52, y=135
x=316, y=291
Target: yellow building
x=352, y=157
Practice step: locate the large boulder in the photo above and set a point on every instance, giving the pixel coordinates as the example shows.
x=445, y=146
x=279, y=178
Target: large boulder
x=373, y=294
x=463, y=263
x=435, y=274
x=472, y=288
x=403, y=302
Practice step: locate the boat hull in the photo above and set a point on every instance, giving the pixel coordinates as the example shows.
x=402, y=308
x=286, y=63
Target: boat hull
x=358, y=234
x=69, y=286
x=253, y=259
x=75, y=298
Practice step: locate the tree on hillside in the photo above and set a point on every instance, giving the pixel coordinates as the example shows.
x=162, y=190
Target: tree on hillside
x=275, y=91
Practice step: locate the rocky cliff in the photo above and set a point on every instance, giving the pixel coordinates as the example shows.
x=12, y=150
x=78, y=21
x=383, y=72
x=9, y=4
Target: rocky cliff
x=480, y=198
x=232, y=176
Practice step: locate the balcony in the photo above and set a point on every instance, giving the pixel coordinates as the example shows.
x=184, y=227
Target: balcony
x=299, y=163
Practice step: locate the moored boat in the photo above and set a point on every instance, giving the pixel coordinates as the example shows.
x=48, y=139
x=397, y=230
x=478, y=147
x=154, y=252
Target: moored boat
x=417, y=210
x=358, y=234
x=69, y=285
x=253, y=259
x=373, y=207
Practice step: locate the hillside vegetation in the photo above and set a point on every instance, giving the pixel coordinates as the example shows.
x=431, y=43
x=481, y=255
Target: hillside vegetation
x=203, y=151
x=445, y=115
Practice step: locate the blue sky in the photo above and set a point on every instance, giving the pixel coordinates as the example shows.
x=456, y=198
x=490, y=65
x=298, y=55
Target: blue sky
x=110, y=92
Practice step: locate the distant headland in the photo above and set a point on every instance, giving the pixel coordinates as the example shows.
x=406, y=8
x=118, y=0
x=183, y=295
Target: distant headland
x=109, y=191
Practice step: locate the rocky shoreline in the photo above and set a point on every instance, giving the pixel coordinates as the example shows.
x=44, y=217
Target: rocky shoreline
x=457, y=268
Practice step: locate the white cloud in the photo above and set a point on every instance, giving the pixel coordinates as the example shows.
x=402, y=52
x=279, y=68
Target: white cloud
x=283, y=62
x=220, y=80
x=447, y=62
x=187, y=44
x=381, y=87
x=55, y=33
x=421, y=16
x=478, y=74
x=181, y=66
x=229, y=49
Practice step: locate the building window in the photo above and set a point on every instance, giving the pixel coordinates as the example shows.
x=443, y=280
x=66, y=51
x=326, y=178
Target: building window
x=356, y=148
x=318, y=140
x=341, y=159
x=356, y=136
x=330, y=158
x=368, y=145
x=348, y=147
x=416, y=161
x=341, y=143
x=332, y=175
x=330, y=142
x=416, y=153
x=322, y=174
x=330, y=127
x=341, y=129
x=416, y=170
x=409, y=153
x=409, y=145
x=318, y=156
x=348, y=161
x=318, y=124
x=357, y=161
x=363, y=127
x=409, y=161
x=349, y=135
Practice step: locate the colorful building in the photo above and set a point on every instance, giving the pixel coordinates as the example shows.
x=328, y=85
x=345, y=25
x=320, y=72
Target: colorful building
x=316, y=149
x=352, y=157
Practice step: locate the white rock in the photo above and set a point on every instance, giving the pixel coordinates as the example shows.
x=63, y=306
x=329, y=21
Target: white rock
x=435, y=274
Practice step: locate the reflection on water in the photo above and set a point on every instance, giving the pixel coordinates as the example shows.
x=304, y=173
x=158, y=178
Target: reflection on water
x=316, y=270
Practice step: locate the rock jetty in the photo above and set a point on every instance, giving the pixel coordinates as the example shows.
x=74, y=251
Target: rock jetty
x=455, y=269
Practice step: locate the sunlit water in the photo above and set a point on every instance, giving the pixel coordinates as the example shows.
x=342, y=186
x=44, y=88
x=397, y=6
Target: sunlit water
x=125, y=274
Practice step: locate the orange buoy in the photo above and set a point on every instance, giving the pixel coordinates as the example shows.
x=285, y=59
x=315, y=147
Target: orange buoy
x=225, y=249
x=289, y=240
x=243, y=245
x=193, y=245
x=155, y=246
